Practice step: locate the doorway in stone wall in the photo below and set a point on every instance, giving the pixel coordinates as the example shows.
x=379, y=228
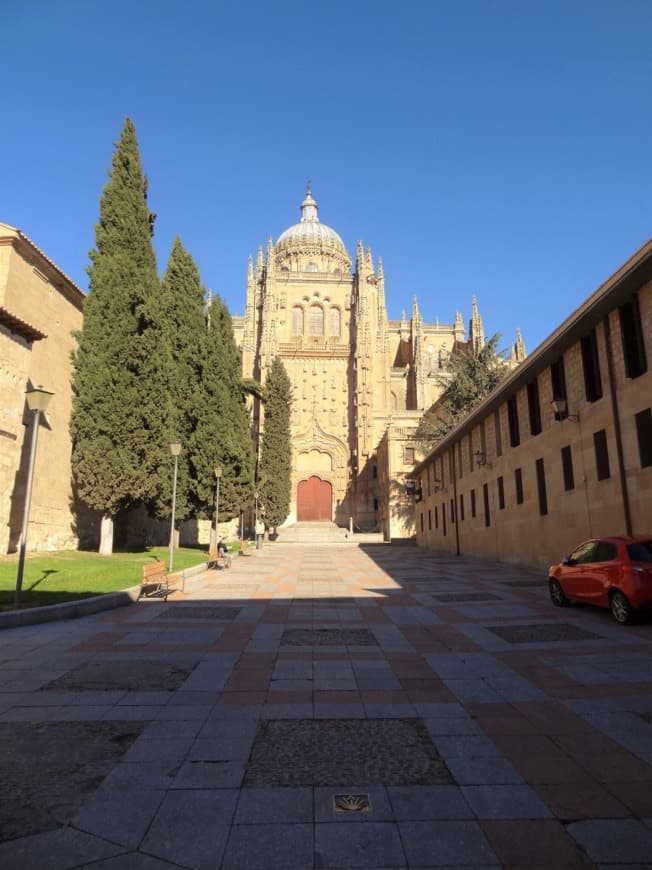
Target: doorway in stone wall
x=314, y=501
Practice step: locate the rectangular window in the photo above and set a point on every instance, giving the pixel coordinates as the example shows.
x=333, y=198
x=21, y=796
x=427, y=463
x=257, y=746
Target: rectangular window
x=408, y=455
x=483, y=440
x=512, y=417
x=601, y=454
x=541, y=487
x=567, y=467
x=644, y=432
x=534, y=407
x=460, y=464
x=501, y=493
x=436, y=517
x=470, y=451
x=499, y=434
x=421, y=521
x=518, y=485
x=462, y=507
x=452, y=511
x=428, y=480
x=473, y=512
x=485, y=495
x=631, y=333
x=429, y=519
x=443, y=516
x=558, y=379
x=591, y=366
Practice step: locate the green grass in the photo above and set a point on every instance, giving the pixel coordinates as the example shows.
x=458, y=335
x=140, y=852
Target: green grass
x=67, y=575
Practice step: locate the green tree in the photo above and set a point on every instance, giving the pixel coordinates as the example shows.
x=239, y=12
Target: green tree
x=471, y=377
x=177, y=364
x=222, y=436
x=276, y=453
x=113, y=404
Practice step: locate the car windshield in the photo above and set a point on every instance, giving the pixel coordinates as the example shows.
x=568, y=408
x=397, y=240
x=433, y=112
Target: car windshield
x=641, y=551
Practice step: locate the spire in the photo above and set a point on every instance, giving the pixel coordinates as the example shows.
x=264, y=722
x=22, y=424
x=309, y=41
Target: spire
x=269, y=258
x=250, y=270
x=459, y=326
x=381, y=273
x=476, y=328
x=519, y=346
x=259, y=263
x=309, y=208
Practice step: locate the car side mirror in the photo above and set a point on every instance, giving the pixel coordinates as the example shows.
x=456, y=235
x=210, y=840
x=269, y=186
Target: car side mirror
x=568, y=561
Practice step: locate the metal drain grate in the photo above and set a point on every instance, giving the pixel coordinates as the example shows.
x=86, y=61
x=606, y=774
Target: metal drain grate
x=328, y=637
x=351, y=803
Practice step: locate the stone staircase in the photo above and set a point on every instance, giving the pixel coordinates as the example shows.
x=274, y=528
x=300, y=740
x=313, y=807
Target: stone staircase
x=313, y=533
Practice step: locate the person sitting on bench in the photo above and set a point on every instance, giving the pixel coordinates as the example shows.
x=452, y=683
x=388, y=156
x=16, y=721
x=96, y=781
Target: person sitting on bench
x=221, y=548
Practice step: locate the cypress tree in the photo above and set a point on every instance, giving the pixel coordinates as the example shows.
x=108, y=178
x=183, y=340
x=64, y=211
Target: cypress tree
x=222, y=436
x=112, y=403
x=177, y=363
x=274, y=471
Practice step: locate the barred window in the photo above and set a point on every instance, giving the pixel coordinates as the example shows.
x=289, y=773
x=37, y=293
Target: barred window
x=297, y=321
x=316, y=320
x=334, y=322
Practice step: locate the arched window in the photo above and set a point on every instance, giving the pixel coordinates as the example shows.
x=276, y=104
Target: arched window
x=334, y=324
x=316, y=320
x=312, y=267
x=297, y=321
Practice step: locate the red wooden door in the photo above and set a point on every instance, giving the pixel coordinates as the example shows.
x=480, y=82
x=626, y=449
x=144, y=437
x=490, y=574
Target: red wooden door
x=314, y=501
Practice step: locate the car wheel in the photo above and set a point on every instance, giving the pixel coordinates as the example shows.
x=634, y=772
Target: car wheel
x=621, y=609
x=557, y=593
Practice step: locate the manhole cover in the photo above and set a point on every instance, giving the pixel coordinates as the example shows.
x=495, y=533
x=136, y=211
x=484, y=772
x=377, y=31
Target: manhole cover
x=50, y=768
x=541, y=633
x=128, y=675
x=351, y=803
x=325, y=752
x=328, y=637
x=468, y=596
x=185, y=611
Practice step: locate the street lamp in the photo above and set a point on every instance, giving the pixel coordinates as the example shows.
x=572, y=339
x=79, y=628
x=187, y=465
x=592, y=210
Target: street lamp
x=175, y=450
x=38, y=400
x=218, y=475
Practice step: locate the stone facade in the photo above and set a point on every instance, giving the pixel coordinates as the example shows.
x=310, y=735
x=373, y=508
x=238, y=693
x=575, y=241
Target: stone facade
x=520, y=482
x=40, y=308
x=351, y=368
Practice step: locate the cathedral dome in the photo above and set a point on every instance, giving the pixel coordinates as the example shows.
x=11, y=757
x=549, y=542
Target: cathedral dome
x=312, y=239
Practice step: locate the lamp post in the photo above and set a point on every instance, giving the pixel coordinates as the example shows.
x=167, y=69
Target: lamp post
x=38, y=400
x=175, y=450
x=218, y=475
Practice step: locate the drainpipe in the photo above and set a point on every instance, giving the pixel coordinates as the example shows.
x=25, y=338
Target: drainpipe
x=617, y=429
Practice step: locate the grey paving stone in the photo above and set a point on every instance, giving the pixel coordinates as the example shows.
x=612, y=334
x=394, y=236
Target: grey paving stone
x=132, y=861
x=483, y=771
x=269, y=847
x=466, y=746
x=191, y=828
x=171, y=750
x=62, y=848
x=381, y=810
x=283, y=805
x=438, y=843
x=227, y=729
x=505, y=802
x=339, y=711
x=348, y=845
x=120, y=816
x=171, y=729
x=473, y=691
x=422, y=802
x=221, y=749
x=452, y=725
x=622, y=841
x=209, y=774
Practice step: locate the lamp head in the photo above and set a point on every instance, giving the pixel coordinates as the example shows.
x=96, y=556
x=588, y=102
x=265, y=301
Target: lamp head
x=218, y=472
x=175, y=448
x=560, y=407
x=38, y=399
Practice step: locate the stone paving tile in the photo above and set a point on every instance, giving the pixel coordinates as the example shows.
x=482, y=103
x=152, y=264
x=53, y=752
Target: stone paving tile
x=505, y=802
x=63, y=848
x=436, y=843
x=281, y=805
x=352, y=846
x=423, y=802
x=534, y=843
x=618, y=840
x=120, y=816
x=269, y=847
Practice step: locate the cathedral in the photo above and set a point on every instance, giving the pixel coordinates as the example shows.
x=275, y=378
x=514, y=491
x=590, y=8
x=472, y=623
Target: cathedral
x=357, y=376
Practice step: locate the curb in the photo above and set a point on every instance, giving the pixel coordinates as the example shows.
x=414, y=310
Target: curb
x=69, y=609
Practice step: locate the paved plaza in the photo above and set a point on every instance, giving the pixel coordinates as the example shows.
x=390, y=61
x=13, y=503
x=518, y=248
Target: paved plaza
x=330, y=707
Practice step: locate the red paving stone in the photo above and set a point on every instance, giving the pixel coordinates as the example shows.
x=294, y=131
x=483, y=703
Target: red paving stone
x=534, y=843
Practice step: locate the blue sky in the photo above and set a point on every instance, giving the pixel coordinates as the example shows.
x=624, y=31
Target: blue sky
x=500, y=149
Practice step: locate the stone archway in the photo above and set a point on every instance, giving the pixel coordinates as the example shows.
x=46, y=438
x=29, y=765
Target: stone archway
x=314, y=501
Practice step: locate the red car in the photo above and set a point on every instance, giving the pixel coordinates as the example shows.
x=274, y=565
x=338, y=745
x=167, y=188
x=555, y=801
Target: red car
x=609, y=572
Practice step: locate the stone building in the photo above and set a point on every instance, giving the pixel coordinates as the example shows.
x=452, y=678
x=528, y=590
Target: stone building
x=352, y=369
x=40, y=308
x=524, y=480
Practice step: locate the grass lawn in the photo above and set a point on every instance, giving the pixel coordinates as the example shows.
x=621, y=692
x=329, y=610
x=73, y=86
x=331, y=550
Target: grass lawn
x=68, y=575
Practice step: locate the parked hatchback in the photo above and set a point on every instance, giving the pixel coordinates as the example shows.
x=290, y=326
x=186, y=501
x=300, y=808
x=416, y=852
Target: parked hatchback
x=609, y=572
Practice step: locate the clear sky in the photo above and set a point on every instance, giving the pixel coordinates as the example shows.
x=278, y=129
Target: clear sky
x=501, y=149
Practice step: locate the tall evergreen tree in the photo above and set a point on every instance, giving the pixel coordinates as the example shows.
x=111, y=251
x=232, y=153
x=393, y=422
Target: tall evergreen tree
x=274, y=473
x=471, y=377
x=222, y=437
x=112, y=403
x=177, y=362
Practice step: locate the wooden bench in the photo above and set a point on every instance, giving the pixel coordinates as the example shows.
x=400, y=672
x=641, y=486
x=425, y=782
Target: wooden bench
x=245, y=548
x=217, y=561
x=155, y=580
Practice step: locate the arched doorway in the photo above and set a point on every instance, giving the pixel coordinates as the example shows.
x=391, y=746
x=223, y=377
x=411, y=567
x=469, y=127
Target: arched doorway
x=314, y=501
